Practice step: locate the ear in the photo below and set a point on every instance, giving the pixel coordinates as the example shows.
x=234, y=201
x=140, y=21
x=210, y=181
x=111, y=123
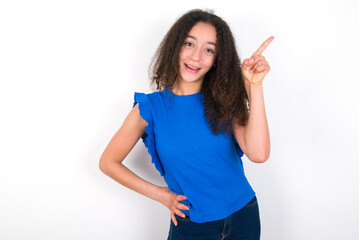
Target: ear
x=214, y=63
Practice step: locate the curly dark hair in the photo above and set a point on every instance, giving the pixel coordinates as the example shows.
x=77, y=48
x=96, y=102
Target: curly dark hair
x=223, y=88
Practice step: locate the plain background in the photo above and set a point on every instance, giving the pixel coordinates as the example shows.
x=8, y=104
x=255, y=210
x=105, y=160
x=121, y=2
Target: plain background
x=68, y=73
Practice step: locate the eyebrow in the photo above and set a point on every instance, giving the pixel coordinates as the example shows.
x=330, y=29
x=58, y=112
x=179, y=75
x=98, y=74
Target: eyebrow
x=212, y=43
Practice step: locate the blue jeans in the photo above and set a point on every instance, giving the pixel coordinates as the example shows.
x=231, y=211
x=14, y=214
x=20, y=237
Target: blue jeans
x=241, y=225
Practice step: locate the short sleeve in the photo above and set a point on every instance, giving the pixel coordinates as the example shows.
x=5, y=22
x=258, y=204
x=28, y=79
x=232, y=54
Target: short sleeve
x=238, y=148
x=148, y=138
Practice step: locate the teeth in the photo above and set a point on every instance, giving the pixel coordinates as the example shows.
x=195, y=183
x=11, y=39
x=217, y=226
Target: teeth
x=192, y=67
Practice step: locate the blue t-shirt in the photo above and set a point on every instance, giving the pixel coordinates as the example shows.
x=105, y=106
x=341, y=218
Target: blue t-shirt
x=194, y=162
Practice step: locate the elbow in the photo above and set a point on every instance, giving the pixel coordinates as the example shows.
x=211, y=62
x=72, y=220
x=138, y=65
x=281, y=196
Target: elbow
x=102, y=165
x=260, y=157
x=106, y=164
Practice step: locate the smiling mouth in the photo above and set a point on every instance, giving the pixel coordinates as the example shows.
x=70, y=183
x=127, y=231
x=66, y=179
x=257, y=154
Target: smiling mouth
x=192, y=68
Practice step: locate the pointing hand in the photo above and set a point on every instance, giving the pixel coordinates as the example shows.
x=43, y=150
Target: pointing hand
x=255, y=68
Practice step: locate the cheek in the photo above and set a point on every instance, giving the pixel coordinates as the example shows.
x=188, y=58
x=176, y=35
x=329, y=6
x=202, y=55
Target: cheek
x=183, y=54
x=180, y=55
x=210, y=61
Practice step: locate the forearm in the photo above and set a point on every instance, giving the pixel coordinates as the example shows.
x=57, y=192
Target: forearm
x=257, y=132
x=124, y=176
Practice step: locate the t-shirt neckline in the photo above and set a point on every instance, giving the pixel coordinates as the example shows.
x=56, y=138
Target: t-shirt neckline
x=183, y=96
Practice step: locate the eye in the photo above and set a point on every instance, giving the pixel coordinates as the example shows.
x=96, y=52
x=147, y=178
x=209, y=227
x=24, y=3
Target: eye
x=188, y=44
x=209, y=50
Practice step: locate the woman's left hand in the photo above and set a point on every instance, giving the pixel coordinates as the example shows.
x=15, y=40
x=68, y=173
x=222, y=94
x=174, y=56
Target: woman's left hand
x=255, y=68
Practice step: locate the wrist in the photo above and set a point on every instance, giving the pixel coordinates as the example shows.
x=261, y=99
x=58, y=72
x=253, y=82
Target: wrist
x=251, y=83
x=158, y=194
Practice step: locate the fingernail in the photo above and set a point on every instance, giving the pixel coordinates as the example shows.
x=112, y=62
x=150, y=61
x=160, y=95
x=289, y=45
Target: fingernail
x=247, y=67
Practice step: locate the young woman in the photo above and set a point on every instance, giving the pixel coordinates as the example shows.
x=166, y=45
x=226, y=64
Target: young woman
x=208, y=112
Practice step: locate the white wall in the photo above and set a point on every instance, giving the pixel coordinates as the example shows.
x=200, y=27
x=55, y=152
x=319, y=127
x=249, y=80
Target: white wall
x=68, y=71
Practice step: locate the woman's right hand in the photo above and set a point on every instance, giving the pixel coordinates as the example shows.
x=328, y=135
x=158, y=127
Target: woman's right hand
x=172, y=202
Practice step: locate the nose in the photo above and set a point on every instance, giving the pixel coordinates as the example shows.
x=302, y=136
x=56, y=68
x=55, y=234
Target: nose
x=196, y=54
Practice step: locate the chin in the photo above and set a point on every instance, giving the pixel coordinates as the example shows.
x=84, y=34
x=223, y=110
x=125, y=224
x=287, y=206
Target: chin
x=191, y=79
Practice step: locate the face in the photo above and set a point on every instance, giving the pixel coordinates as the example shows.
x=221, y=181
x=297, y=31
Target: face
x=198, y=52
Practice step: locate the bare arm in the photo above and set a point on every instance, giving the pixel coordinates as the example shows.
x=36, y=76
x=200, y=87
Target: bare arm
x=254, y=137
x=116, y=151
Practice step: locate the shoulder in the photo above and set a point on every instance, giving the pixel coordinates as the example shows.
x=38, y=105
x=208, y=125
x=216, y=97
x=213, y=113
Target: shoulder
x=154, y=94
x=158, y=94
x=146, y=96
x=150, y=102
x=155, y=97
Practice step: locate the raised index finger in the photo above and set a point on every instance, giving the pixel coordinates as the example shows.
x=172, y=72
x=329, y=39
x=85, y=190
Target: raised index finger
x=262, y=47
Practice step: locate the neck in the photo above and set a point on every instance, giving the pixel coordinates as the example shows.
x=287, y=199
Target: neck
x=185, y=88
